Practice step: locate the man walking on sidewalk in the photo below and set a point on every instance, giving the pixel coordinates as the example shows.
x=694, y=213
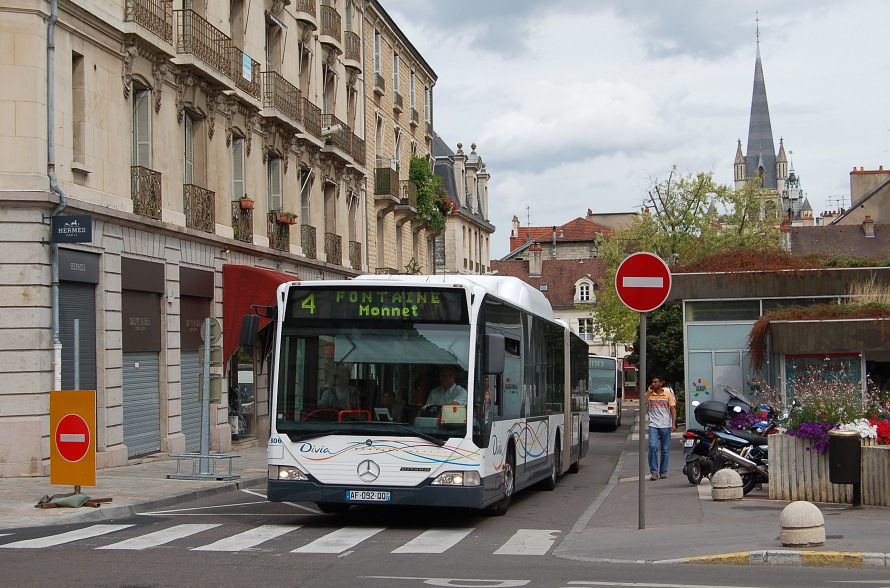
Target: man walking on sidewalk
x=662, y=409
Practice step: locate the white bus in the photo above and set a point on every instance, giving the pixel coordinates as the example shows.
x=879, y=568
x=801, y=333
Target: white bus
x=606, y=389
x=386, y=341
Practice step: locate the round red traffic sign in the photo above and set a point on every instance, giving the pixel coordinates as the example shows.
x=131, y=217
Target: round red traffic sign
x=643, y=281
x=72, y=437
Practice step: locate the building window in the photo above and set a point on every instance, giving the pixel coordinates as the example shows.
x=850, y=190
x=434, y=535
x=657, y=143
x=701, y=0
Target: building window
x=585, y=328
x=411, y=95
x=397, y=138
x=427, y=112
x=273, y=171
x=142, y=127
x=376, y=52
x=239, y=190
x=305, y=192
x=584, y=292
x=395, y=73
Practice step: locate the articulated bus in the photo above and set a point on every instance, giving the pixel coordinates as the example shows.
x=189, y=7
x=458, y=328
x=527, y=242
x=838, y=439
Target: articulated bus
x=606, y=386
x=357, y=420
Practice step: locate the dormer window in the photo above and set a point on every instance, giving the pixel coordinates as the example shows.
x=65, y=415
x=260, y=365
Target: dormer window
x=584, y=292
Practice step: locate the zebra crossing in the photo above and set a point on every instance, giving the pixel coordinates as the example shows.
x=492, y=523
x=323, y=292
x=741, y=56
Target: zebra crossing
x=335, y=542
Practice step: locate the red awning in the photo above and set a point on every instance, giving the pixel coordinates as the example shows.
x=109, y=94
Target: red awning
x=244, y=286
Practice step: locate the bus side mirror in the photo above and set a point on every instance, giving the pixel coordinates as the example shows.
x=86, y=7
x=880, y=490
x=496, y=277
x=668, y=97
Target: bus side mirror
x=494, y=353
x=250, y=324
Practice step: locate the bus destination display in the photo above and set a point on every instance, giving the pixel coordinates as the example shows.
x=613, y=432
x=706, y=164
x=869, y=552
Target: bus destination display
x=378, y=304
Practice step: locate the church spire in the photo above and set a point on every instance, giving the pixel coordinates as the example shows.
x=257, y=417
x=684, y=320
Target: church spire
x=761, y=149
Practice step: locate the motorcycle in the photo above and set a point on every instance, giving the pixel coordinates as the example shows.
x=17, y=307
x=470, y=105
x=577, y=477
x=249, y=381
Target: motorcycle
x=716, y=447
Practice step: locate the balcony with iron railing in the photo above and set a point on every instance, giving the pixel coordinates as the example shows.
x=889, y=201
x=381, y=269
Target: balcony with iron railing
x=336, y=133
x=415, y=117
x=379, y=85
x=386, y=182
x=154, y=16
x=304, y=11
x=201, y=40
x=279, y=232
x=428, y=128
x=408, y=194
x=307, y=241
x=358, y=150
x=282, y=97
x=329, y=34
x=246, y=72
x=397, y=102
x=355, y=255
x=145, y=190
x=352, y=56
x=386, y=271
x=312, y=118
x=242, y=222
x=333, y=248
x=200, y=208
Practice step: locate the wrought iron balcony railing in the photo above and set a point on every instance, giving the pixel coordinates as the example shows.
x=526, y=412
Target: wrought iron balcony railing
x=353, y=49
x=307, y=6
x=336, y=132
x=397, y=101
x=358, y=150
x=307, y=241
x=246, y=72
x=200, y=210
x=279, y=233
x=333, y=248
x=408, y=193
x=198, y=37
x=415, y=116
x=379, y=84
x=330, y=22
x=355, y=255
x=312, y=118
x=145, y=190
x=242, y=222
x=386, y=181
x=155, y=16
x=280, y=94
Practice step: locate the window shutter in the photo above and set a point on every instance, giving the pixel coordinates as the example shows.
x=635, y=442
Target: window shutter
x=274, y=183
x=189, y=150
x=238, y=189
x=142, y=128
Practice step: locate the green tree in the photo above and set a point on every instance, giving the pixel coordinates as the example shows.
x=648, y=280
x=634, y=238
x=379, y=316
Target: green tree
x=429, y=190
x=686, y=217
x=664, y=344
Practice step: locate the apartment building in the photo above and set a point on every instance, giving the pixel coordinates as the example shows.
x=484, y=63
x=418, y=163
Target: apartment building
x=399, y=114
x=164, y=161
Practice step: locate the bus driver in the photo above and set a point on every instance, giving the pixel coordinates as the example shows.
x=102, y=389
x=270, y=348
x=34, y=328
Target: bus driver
x=448, y=391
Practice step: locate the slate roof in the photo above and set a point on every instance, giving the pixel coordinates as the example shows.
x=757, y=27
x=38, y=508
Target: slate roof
x=579, y=229
x=761, y=150
x=867, y=196
x=560, y=276
x=841, y=240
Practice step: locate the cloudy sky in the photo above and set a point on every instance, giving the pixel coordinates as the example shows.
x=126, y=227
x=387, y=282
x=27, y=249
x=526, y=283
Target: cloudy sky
x=578, y=104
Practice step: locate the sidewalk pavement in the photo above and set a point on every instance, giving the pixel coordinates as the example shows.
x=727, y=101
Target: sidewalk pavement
x=682, y=523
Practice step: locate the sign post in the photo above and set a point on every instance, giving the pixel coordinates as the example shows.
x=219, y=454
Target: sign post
x=643, y=282
x=72, y=457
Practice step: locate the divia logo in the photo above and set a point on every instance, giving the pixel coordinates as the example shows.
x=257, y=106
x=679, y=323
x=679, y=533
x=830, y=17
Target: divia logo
x=310, y=448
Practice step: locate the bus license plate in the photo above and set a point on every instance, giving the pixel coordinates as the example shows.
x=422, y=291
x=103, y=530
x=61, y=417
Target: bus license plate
x=367, y=496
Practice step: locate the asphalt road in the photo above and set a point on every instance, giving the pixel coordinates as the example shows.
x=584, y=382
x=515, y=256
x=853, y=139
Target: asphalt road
x=202, y=543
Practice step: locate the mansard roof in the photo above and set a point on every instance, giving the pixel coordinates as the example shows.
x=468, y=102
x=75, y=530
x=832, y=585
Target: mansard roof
x=579, y=229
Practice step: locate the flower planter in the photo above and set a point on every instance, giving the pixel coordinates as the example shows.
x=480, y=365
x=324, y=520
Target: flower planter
x=798, y=474
x=287, y=219
x=246, y=204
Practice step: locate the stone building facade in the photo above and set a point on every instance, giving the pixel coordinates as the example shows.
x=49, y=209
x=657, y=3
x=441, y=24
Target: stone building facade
x=187, y=140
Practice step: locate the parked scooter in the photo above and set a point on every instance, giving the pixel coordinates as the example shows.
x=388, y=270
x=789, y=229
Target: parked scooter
x=716, y=447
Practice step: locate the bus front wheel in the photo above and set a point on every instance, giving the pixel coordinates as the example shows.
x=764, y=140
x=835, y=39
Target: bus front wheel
x=500, y=507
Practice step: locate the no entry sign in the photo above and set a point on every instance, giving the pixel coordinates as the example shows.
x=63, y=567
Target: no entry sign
x=72, y=421
x=643, y=282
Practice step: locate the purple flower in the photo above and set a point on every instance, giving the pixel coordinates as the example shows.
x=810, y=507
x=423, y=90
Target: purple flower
x=817, y=433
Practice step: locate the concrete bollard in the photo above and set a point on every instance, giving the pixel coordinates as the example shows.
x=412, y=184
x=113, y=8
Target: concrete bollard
x=802, y=525
x=726, y=484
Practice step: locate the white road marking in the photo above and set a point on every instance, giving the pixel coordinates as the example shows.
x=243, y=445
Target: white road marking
x=528, y=542
x=62, y=538
x=340, y=540
x=248, y=539
x=159, y=537
x=434, y=541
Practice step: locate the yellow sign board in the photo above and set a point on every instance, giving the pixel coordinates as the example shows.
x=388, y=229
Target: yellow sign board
x=72, y=429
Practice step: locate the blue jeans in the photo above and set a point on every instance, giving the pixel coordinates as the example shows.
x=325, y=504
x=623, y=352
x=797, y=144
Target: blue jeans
x=659, y=444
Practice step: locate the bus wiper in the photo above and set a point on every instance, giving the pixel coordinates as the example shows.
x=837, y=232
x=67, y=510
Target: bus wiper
x=406, y=429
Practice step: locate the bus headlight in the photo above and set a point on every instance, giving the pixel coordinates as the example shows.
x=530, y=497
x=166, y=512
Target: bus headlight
x=458, y=479
x=286, y=473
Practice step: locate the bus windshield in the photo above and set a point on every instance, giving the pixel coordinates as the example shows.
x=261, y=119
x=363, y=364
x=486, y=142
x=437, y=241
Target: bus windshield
x=372, y=379
x=603, y=379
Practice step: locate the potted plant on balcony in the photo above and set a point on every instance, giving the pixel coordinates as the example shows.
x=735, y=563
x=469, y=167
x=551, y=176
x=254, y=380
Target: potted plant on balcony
x=287, y=218
x=246, y=202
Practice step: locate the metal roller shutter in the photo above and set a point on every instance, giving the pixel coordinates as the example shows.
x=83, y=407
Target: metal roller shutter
x=191, y=405
x=142, y=405
x=77, y=311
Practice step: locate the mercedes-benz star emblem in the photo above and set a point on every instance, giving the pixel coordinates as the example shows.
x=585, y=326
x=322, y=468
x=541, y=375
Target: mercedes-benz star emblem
x=368, y=471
